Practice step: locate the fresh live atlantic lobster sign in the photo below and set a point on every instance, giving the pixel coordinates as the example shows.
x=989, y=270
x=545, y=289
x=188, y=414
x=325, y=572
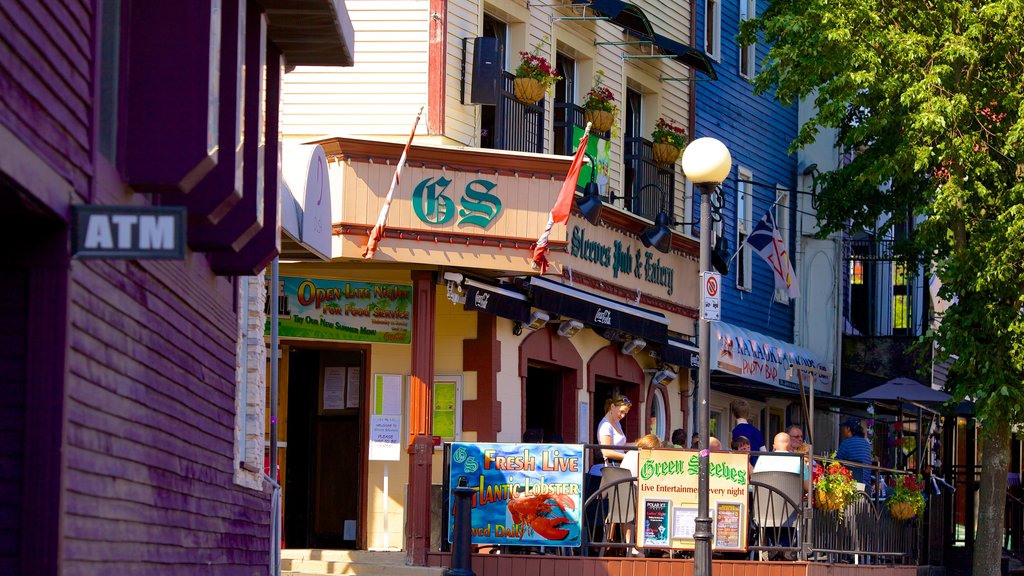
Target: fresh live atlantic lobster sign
x=526, y=494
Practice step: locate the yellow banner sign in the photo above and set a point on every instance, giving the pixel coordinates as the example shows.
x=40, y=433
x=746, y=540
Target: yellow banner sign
x=667, y=499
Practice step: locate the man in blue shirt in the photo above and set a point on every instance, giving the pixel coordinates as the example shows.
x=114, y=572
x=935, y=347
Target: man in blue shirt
x=854, y=447
x=741, y=411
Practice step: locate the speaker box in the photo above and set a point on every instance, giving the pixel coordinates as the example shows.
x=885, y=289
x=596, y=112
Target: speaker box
x=487, y=65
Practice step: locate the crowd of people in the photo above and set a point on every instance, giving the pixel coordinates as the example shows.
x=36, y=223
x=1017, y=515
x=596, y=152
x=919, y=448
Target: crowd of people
x=853, y=448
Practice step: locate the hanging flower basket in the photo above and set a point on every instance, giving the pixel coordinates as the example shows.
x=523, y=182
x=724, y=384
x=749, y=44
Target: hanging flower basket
x=601, y=121
x=824, y=500
x=528, y=90
x=534, y=76
x=902, y=510
x=664, y=153
x=907, y=498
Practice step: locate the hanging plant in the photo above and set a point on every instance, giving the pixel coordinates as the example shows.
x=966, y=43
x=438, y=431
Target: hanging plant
x=534, y=76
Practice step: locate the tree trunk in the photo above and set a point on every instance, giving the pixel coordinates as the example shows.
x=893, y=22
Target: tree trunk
x=995, y=463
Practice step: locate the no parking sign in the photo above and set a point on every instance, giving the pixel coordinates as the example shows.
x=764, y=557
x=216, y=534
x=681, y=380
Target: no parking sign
x=710, y=296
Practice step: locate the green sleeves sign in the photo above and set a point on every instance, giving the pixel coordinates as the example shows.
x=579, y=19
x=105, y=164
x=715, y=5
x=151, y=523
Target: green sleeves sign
x=321, y=309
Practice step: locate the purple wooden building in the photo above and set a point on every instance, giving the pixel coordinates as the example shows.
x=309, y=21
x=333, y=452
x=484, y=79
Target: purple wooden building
x=119, y=376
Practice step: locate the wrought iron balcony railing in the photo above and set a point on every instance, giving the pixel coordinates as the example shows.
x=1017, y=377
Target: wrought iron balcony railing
x=641, y=172
x=517, y=126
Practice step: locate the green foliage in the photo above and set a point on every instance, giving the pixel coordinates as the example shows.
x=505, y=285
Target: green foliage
x=928, y=96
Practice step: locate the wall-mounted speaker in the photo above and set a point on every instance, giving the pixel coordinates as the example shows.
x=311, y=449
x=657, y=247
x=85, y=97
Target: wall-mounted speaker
x=487, y=64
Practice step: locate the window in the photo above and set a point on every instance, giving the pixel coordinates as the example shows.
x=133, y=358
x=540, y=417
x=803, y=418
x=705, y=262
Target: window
x=900, y=299
x=657, y=423
x=782, y=222
x=748, y=9
x=744, y=207
x=565, y=95
x=633, y=128
x=493, y=28
x=713, y=29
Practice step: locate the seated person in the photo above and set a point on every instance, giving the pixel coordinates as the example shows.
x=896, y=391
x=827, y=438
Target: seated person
x=678, y=438
x=742, y=444
x=631, y=461
x=778, y=463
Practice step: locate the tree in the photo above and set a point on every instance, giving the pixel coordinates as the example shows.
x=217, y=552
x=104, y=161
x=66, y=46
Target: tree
x=927, y=94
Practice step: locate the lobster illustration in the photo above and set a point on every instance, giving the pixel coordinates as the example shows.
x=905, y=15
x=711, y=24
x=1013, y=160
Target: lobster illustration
x=537, y=511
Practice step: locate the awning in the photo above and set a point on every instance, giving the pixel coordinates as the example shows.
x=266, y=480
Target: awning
x=311, y=32
x=305, y=204
x=627, y=15
x=761, y=358
x=597, y=312
x=738, y=386
x=690, y=56
x=496, y=300
x=682, y=353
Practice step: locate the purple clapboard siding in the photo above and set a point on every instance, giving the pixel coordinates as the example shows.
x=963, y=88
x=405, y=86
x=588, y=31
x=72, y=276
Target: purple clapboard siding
x=47, y=102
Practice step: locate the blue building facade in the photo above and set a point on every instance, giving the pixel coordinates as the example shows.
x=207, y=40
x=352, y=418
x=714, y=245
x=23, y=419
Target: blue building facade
x=757, y=130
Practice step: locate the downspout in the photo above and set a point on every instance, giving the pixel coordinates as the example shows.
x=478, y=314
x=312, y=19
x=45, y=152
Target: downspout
x=437, y=69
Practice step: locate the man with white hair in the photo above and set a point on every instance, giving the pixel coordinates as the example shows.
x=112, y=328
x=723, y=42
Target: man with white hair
x=772, y=463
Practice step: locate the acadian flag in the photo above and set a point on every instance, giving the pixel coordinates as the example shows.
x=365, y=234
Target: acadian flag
x=377, y=232
x=766, y=241
x=563, y=204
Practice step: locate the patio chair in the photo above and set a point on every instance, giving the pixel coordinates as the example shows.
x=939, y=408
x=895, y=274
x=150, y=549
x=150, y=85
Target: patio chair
x=618, y=488
x=776, y=509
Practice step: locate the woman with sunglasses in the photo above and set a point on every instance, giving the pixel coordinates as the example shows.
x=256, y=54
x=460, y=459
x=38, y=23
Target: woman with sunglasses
x=609, y=431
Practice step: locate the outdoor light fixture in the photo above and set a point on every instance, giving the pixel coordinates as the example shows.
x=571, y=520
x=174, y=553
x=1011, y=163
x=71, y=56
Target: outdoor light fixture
x=569, y=328
x=706, y=163
x=590, y=204
x=663, y=376
x=537, y=320
x=455, y=292
x=660, y=235
x=633, y=345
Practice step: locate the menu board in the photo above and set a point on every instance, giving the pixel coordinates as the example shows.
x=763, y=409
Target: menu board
x=667, y=481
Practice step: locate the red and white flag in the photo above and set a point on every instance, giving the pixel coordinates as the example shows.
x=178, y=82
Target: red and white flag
x=563, y=204
x=377, y=232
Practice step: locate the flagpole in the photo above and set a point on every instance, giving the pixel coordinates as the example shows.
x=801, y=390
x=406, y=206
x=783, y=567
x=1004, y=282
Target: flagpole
x=377, y=232
x=563, y=204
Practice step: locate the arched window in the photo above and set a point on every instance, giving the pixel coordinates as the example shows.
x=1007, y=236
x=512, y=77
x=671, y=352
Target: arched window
x=657, y=413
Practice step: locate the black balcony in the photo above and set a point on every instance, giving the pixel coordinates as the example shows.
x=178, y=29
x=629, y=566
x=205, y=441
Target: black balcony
x=517, y=126
x=641, y=198
x=641, y=172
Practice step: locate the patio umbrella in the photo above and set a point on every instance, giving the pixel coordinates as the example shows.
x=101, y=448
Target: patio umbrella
x=904, y=389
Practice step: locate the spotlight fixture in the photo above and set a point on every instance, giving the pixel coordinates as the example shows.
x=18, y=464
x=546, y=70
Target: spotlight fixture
x=633, y=345
x=537, y=320
x=590, y=204
x=455, y=291
x=569, y=328
x=659, y=235
x=663, y=376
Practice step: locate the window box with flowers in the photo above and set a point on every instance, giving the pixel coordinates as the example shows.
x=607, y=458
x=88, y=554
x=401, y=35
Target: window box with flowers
x=599, y=108
x=668, y=141
x=834, y=488
x=907, y=498
x=534, y=76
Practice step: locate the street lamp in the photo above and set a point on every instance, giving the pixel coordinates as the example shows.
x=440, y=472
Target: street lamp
x=706, y=162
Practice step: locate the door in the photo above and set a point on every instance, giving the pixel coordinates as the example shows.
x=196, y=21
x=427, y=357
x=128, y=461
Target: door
x=324, y=448
x=543, y=415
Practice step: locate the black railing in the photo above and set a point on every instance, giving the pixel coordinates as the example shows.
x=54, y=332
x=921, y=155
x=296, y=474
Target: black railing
x=641, y=172
x=517, y=126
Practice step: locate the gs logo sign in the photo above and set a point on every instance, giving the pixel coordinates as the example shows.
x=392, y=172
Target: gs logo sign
x=477, y=206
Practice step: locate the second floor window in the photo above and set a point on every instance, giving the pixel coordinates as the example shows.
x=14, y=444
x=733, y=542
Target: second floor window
x=565, y=96
x=748, y=9
x=744, y=207
x=713, y=29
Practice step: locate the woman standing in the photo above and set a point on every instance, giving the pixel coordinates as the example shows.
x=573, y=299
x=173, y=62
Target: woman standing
x=609, y=431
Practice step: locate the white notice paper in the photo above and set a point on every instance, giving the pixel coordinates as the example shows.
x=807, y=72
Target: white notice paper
x=354, y=387
x=388, y=394
x=334, y=388
x=683, y=522
x=385, y=437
